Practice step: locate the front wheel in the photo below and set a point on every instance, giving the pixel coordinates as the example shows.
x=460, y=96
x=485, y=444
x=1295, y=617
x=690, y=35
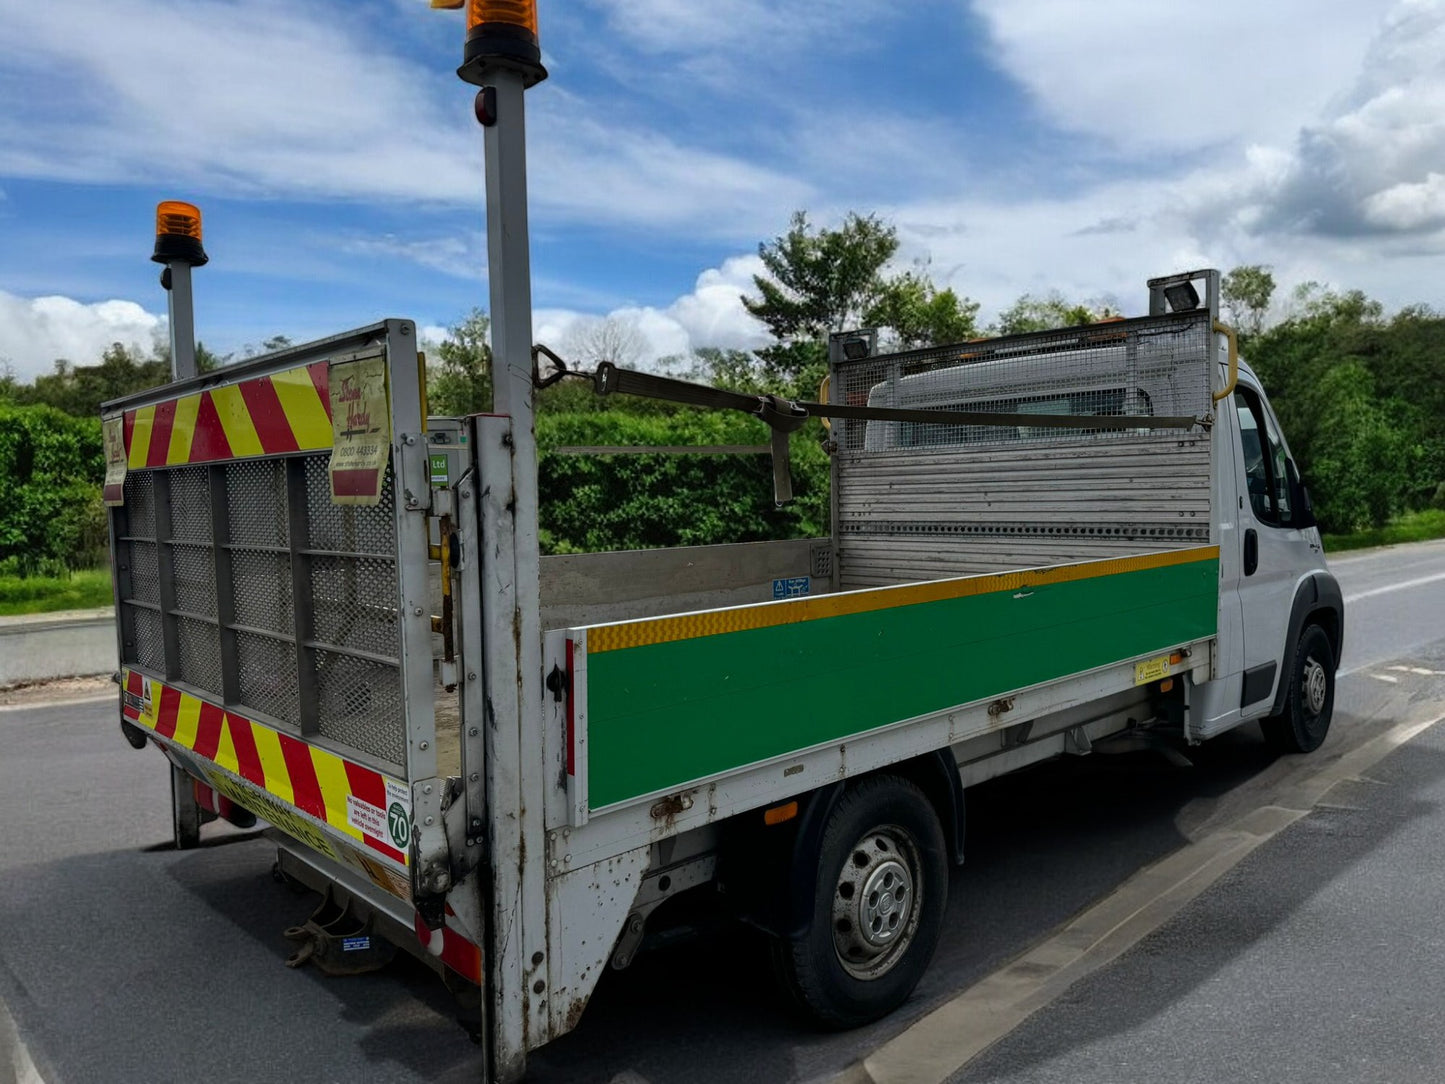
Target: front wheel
x=882, y=882
x=1310, y=701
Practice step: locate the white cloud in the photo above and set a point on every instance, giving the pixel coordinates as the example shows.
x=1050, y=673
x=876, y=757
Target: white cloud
x=34, y=332
x=268, y=99
x=690, y=27
x=1150, y=74
x=712, y=315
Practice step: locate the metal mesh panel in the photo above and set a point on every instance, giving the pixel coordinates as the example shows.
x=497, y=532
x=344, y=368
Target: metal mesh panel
x=262, y=584
x=350, y=602
x=1146, y=367
x=256, y=502
x=140, y=505
x=267, y=672
x=361, y=705
x=144, y=645
x=918, y=501
x=190, y=504
x=354, y=602
x=145, y=583
x=195, y=578
x=347, y=528
x=200, y=654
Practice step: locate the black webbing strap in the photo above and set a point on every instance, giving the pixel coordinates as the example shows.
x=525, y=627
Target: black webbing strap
x=786, y=415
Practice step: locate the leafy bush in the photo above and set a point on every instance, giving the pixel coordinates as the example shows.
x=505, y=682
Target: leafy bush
x=591, y=503
x=51, y=513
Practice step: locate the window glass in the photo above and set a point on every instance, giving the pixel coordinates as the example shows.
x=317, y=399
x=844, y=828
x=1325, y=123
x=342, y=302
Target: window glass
x=1279, y=475
x=1102, y=401
x=1265, y=461
x=1256, y=469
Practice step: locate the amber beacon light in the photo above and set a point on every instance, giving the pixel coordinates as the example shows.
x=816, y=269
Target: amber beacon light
x=178, y=234
x=502, y=34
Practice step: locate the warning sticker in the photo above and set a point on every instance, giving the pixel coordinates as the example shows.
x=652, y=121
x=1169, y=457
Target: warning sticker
x=1151, y=670
x=113, y=431
x=366, y=818
x=398, y=792
x=360, y=430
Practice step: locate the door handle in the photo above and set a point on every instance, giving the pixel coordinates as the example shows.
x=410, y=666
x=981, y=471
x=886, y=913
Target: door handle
x=1251, y=551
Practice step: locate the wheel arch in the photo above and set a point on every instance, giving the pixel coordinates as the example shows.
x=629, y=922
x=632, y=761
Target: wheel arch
x=1317, y=601
x=775, y=879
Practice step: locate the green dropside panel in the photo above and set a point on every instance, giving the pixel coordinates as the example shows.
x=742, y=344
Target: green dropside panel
x=662, y=715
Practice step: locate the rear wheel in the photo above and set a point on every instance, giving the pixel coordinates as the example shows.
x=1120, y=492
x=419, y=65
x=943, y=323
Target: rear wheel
x=1310, y=701
x=881, y=888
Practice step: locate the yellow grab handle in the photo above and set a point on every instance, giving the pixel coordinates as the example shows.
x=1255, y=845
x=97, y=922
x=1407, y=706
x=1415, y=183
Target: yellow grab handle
x=1233, y=337
x=823, y=390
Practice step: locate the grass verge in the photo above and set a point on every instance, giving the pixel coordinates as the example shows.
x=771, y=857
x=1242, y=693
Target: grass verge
x=47, y=594
x=1411, y=527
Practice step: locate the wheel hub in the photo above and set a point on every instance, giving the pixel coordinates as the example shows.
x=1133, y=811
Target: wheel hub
x=875, y=903
x=1316, y=686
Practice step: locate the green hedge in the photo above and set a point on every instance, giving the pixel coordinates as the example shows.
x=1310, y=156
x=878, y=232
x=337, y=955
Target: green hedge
x=591, y=503
x=52, y=517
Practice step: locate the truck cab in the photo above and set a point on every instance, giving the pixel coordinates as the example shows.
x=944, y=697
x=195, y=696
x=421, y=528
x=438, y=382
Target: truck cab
x=1281, y=613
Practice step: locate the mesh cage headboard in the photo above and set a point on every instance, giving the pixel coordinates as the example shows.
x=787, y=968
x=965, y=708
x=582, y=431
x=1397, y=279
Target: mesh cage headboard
x=922, y=501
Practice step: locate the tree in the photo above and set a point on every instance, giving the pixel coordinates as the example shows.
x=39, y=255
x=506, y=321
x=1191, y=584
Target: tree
x=1247, y=291
x=617, y=339
x=1035, y=312
x=461, y=381
x=918, y=314
x=822, y=280
x=818, y=281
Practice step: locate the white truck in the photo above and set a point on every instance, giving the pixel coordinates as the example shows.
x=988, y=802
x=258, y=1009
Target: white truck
x=333, y=616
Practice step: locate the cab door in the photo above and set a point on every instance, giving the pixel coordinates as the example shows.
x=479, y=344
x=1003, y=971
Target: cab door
x=1274, y=553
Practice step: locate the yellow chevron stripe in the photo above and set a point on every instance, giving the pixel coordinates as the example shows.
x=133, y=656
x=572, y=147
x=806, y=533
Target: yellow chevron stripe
x=625, y=634
x=226, y=751
x=183, y=430
x=236, y=421
x=330, y=768
x=304, y=411
x=188, y=717
x=331, y=775
x=140, y=437
x=273, y=763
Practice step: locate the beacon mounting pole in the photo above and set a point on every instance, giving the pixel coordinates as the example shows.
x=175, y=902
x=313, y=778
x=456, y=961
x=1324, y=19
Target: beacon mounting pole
x=178, y=247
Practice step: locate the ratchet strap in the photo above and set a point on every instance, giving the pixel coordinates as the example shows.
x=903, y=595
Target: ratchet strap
x=785, y=416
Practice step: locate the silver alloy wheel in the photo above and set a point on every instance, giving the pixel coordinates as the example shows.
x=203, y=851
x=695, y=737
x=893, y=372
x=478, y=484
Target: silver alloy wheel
x=1316, y=686
x=875, y=903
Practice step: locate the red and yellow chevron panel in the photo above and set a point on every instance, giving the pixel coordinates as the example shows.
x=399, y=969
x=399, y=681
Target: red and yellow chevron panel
x=285, y=412
x=358, y=802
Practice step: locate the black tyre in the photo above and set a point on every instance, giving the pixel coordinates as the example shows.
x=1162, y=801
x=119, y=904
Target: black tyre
x=1310, y=701
x=878, y=909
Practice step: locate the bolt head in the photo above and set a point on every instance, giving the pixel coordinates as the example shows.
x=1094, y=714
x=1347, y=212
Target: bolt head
x=431, y=820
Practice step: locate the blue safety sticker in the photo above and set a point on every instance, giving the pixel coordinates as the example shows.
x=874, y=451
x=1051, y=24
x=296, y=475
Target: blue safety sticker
x=355, y=944
x=793, y=587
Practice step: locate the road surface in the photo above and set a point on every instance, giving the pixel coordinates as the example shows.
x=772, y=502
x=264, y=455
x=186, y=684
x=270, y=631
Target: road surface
x=124, y=960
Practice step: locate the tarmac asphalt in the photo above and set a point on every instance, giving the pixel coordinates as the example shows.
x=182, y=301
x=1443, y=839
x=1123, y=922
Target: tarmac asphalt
x=1314, y=954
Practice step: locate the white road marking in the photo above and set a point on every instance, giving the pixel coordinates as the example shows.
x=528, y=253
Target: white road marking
x=36, y=705
x=948, y=1038
x=15, y=1062
x=1421, y=582
x=1418, y=670
x=1386, y=677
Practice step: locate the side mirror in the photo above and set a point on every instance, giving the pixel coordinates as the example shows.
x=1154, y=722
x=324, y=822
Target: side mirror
x=1302, y=512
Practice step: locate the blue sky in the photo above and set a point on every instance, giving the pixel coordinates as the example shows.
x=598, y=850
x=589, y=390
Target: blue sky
x=1018, y=145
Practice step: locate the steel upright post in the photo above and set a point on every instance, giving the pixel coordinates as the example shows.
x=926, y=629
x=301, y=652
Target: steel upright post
x=182, y=320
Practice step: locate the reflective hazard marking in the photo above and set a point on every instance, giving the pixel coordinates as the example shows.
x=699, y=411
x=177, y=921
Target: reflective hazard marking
x=297, y=778
x=285, y=412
